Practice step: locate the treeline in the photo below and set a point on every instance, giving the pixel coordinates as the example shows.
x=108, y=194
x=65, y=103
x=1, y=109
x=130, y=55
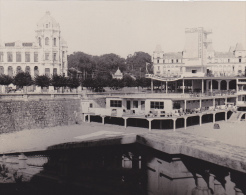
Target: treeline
x=98, y=84
x=24, y=79
x=105, y=65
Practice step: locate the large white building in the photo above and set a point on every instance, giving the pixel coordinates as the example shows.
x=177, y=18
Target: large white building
x=199, y=59
x=46, y=55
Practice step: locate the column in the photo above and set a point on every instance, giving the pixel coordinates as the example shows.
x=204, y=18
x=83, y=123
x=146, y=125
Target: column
x=152, y=86
x=211, y=86
x=103, y=120
x=149, y=125
x=166, y=86
x=125, y=122
x=185, y=122
x=200, y=121
x=89, y=118
x=214, y=102
x=226, y=101
x=219, y=84
x=227, y=85
x=214, y=117
x=183, y=86
x=185, y=105
x=22, y=161
x=207, y=82
x=192, y=87
x=237, y=85
x=200, y=103
x=225, y=115
x=202, y=86
x=174, y=124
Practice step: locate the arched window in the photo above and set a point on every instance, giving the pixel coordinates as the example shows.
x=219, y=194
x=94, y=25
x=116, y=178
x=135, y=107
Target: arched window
x=18, y=69
x=36, y=72
x=46, y=41
x=27, y=69
x=1, y=70
x=10, y=71
x=39, y=41
x=54, y=41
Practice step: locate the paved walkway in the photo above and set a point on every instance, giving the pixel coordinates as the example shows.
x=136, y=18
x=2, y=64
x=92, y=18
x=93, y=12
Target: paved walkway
x=40, y=139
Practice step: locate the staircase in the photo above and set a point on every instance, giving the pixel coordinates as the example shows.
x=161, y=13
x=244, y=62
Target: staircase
x=236, y=116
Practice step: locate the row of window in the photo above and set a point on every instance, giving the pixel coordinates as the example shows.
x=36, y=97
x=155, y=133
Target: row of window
x=27, y=57
x=153, y=104
x=172, y=61
x=46, y=41
x=27, y=69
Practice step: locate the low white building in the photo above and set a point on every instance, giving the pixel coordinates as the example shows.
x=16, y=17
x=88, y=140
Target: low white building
x=117, y=75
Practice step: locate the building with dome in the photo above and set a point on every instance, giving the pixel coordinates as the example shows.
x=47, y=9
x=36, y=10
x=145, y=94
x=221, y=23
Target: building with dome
x=46, y=55
x=118, y=74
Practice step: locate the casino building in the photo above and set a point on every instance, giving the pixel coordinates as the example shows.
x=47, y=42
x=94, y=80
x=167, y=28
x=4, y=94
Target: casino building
x=47, y=54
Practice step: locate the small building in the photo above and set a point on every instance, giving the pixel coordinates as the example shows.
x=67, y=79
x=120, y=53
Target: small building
x=118, y=74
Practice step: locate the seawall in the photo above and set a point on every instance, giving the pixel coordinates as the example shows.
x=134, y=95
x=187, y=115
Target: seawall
x=16, y=115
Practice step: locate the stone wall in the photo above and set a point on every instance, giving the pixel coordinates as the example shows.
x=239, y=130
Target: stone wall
x=17, y=115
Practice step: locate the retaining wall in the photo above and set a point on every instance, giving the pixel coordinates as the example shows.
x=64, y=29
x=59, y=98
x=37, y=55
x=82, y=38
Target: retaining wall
x=16, y=115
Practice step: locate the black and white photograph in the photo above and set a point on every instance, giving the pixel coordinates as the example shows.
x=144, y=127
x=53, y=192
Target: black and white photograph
x=122, y=97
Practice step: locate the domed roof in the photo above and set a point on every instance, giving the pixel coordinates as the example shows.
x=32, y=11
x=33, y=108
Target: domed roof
x=118, y=72
x=47, y=19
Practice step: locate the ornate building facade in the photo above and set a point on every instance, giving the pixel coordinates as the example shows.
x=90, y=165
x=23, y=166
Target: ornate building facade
x=47, y=55
x=199, y=58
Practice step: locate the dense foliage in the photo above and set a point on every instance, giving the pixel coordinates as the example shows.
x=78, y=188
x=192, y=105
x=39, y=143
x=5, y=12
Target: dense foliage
x=105, y=65
x=42, y=81
x=23, y=79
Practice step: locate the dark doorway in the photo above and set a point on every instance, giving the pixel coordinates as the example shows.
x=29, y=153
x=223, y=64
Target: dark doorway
x=128, y=105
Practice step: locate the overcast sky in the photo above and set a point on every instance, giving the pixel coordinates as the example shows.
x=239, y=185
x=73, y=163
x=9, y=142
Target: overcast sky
x=123, y=27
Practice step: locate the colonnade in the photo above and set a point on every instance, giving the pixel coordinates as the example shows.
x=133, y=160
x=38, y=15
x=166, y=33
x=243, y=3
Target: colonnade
x=174, y=119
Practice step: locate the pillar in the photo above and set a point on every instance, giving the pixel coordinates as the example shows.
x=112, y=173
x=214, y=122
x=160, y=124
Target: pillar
x=218, y=188
x=22, y=161
x=238, y=191
x=185, y=105
x=176, y=86
x=214, y=117
x=166, y=86
x=152, y=86
x=227, y=85
x=174, y=124
x=89, y=118
x=211, y=86
x=202, y=86
x=192, y=87
x=237, y=85
x=185, y=122
x=103, y=122
x=226, y=101
x=226, y=116
x=200, y=120
x=200, y=103
x=125, y=122
x=150, y=125
x=183, y=86
x=214, y=102
x=207, y=82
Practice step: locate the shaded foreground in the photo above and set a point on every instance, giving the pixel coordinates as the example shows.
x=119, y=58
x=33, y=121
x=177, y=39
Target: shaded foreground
x=170, y=163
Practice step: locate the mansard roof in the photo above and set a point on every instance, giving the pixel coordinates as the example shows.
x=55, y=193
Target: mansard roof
x=223, y=55
x=173, y=55
x=239, y=47
x=158, y=49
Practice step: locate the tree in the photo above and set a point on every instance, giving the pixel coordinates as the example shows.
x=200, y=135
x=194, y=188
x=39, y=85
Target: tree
x=59, y=81
x=128, y=81
x=42, y=81
x=116, y=84
x=23, y=79
x=5, y=80
x=136, y=64
x=73, y=82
